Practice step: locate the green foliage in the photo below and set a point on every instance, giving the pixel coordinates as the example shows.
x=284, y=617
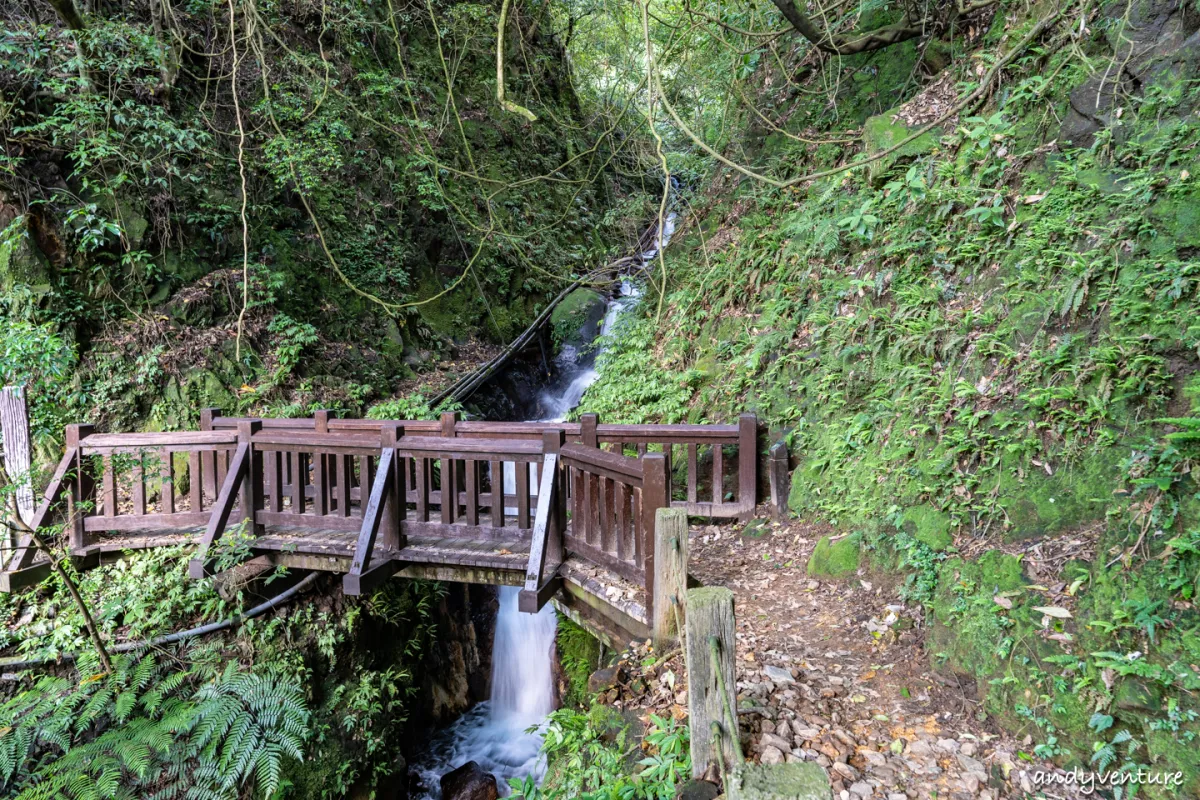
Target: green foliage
x=593, y=756
x=579, y=654
x=152, y=729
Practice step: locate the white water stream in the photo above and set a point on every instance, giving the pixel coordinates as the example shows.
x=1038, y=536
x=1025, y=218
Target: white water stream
x=494, y=734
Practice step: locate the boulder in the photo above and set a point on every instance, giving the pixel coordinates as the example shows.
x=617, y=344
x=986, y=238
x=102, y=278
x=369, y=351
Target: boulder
x=469, y=782
x=698, y=790
x=793, y=781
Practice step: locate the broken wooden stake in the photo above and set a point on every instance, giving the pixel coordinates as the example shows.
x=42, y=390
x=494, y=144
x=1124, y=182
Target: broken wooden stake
x=712, y=686
x=670, y=575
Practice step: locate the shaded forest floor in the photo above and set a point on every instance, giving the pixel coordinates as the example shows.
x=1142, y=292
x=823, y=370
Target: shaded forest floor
x=836, y=671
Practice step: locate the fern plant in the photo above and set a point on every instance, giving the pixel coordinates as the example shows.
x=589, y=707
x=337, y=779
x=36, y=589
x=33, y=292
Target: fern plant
x=148, y=730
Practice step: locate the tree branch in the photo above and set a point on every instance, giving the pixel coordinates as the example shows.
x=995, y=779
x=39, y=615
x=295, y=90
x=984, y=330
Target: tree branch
x=846, y=44
x=507, y=105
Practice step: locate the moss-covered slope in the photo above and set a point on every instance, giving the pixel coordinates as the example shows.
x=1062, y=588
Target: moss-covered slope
x=982, y=343
x=393, y=211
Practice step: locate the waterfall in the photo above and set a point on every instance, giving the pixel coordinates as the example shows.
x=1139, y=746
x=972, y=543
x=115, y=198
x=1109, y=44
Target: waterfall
x=494, y=733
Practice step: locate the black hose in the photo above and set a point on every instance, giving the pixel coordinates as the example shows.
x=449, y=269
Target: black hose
x=171, y=638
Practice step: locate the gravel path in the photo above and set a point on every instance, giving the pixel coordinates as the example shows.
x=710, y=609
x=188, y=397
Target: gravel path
x=835, y=672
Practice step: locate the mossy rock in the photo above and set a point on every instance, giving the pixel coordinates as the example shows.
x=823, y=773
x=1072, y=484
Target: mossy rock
x=1178, y=221
x=881, y=133
x=929, y=527
x=804, y=780
x=838, y=559
x=576, y=320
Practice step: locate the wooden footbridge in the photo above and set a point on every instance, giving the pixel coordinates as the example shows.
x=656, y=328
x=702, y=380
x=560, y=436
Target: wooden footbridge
x=560, y=509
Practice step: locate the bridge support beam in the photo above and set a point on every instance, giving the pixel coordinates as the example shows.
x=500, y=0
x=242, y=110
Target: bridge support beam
x=546, y=548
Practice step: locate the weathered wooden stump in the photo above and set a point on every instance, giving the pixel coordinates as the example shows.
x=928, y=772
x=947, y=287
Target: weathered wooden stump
x=670, y=574
x=712, y=686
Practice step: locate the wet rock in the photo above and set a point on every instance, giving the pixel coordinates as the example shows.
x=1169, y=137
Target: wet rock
x=469, y=782
x=698, y=790
x=604, y=679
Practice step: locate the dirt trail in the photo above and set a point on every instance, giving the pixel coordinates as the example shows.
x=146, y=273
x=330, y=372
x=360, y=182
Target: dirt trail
x=835, y=672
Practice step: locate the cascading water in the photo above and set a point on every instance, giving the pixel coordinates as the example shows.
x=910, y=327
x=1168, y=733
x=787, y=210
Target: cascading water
x=494, y=734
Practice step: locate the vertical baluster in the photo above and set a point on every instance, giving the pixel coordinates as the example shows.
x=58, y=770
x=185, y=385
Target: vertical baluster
x=449, y=490
x=718, y=476
x=208, y=459
x=472, y=487
x=138, y=490
x=195, y=482
x=637, y=526
x=166, y=492
x=320, y=482
x=496, y=476
x=621, y=520
x=364, y=475
x=299, y=481
x=422, y=468
x=608, y=538
x=345, y=475
x=447, y=476
x=578, y=518
x=693, y=472
x=221, y=458
x=109, y=482
x=273, y=477
x=521, y=469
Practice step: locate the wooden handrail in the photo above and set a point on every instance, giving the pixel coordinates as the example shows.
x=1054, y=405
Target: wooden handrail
x=134, y=442
x=612, y=465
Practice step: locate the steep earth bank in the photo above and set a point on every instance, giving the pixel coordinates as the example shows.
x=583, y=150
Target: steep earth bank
x=981, y=350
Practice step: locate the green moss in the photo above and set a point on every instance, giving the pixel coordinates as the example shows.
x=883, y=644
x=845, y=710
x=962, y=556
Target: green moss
x=929, y=526
x=579, y=654
x=835, y=559
x=881, y=133
x=1077, y=493
x=972, y=633
x=574, y=320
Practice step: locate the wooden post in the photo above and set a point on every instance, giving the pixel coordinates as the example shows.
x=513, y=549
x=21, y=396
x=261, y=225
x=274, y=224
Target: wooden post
x=395, y=506
x=747, y=465
x=83, y=487
x=778, y=476
x=712, y=687
x=670, y=574
x=251, y=493
x=656, y=494
x=450, y=471
x=587, y=429
x=18, y=453
x=208, y=460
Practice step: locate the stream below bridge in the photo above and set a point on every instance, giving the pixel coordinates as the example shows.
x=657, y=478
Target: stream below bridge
x=503, y=734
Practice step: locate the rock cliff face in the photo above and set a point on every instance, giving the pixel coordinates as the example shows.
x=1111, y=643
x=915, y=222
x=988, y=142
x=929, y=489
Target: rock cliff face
x=457, y=673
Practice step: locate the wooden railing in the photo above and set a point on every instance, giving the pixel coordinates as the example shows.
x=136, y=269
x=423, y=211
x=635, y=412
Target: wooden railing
x=577, y=489
x=716, y=465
